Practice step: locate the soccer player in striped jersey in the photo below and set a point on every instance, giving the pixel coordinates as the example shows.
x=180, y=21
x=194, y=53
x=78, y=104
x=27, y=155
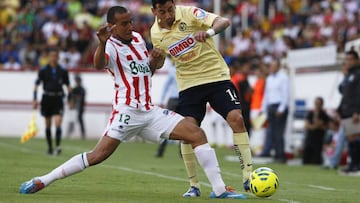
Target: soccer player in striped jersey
x=124, y=54
x=185, y=33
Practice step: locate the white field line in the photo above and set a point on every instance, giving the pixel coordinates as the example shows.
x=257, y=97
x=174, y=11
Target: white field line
x=322, y=187
x=151, y=174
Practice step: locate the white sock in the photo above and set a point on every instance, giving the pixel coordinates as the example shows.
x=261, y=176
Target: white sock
x=74, y=165
x=207, y=159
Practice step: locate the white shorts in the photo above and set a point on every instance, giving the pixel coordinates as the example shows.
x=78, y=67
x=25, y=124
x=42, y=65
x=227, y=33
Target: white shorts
x=153, y=125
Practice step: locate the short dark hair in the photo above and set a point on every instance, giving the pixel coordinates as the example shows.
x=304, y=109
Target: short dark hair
x=110, y=18
x=161, y=2
x=321, y=99
x=353, y=53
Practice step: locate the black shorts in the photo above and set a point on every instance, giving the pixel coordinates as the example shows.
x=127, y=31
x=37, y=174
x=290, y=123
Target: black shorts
x=221, y=96
x=52, y=105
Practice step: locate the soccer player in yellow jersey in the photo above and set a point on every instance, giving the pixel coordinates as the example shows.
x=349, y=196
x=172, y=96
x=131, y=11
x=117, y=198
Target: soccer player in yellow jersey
x=203, y=77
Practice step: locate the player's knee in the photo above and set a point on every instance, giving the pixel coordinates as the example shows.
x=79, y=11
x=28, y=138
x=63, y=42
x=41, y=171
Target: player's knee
x=198, y=137
x=235, y=117
x=235, y=120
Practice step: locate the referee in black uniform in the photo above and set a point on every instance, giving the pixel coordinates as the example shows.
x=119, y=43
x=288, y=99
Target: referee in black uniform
x=53, y=77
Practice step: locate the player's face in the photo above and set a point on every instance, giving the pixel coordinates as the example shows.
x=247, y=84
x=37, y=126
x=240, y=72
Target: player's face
x=350, y=61
x=53, y=57
x=274, y=66
x=165, y=13
x=124, y=26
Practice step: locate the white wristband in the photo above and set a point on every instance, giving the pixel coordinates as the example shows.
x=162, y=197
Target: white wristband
x=210, y=32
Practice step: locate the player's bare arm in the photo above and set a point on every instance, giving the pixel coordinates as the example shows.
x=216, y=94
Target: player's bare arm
x=156, y=60
x=219, y=25
x=103, y=34
x=35, y=102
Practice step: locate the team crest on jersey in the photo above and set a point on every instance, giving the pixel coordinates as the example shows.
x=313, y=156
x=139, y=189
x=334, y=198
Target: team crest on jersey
x=182, y=46
x=199, y=13
x=182, y=26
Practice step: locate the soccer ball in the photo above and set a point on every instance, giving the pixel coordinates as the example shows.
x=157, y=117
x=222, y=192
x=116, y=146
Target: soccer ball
x=264, y=182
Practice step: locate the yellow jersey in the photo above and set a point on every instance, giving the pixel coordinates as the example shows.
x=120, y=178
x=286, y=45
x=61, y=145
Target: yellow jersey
x=196, y=63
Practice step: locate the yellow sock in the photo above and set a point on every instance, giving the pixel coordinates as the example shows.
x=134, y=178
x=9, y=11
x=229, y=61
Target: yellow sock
x=242, y=149
x=190, y=164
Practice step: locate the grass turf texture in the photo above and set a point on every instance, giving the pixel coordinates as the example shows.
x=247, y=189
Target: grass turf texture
x=133, y=174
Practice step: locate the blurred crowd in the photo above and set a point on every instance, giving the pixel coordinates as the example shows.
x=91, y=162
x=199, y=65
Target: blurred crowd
x=260, y=31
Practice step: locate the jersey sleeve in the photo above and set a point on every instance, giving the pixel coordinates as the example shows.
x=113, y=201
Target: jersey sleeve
x=109, y=51
x=39, y=77
x=201, y=17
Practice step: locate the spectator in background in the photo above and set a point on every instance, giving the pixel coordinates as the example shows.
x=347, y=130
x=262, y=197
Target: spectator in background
x=70, y=58
x=43, y=58
x=12, y=64
x=258, y=91
x=77, y=104
x=333, y=153
x=349, y=110
x=239, y=72
x=83, y=18
x=27, y=54
x=268, y=32
x=339, y=135
x=52, y=28
x=53, y=77
x=7, y=13
x=171, y=95
x=316, y=125
x=275, y=105
x=9, y=51
x=258, y=132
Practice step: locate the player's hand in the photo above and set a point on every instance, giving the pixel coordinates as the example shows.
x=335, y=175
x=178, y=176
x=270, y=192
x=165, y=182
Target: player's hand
x=201, y=36
x=157, y=58
x=35, y=104
x=278, y=113
x=157, y=54
x=104, y=32
x=356, y=118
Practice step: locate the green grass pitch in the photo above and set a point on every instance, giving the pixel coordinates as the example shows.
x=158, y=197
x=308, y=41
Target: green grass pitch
x=133, y=175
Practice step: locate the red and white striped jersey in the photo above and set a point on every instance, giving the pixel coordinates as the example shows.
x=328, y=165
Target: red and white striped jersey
x=129, y=66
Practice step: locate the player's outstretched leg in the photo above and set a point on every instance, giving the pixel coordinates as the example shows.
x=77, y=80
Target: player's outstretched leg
x=74, y=165
x=105, y=147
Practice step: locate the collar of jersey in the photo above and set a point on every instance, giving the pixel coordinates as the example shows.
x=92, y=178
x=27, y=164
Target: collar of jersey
x=178, y=15
x=120, y=41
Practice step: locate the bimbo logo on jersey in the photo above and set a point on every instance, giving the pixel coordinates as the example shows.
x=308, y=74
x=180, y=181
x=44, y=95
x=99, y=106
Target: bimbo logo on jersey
x=182, y=46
